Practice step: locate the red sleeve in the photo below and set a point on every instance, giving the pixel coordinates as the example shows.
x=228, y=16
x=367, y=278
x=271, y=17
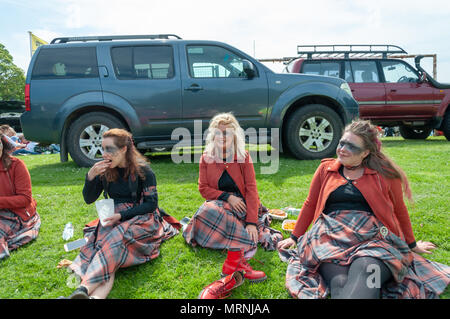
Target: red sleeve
x=22, y=184
x=207, y=192
x=401, y=211
x=306, y=215
x=251, y=191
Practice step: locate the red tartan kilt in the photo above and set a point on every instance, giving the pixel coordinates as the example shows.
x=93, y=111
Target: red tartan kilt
x=216, y=225
x=342, y=236
x=125, y=244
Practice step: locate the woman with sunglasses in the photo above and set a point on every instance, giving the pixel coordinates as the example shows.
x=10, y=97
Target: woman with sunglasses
x=135, y=232
x=19, y=221
x=232, y=216
x=361, y=243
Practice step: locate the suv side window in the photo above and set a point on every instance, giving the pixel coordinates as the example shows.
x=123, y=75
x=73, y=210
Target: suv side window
x=143, y=62
x=208, y=61
x=365, y=71
x=396, y=71
x=348, y=75
x=322, y=68
x=65, y=63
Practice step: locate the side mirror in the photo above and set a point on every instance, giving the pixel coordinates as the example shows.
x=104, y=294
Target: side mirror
x=249, y=69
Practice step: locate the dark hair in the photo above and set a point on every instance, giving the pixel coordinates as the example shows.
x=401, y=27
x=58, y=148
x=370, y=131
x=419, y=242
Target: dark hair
x=376, y=159
x=136, y=162
x=6, y=153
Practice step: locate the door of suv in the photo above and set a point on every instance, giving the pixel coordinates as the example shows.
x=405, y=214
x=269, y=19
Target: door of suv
x=405, y=96
x=213, y=81
x=367, y=88
x=146, y=77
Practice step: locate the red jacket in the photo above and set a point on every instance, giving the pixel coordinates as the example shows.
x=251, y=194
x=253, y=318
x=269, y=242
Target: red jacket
x=15, y=190
x=384, y=196
x=243, y=174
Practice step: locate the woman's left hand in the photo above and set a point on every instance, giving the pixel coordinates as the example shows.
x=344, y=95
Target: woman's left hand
x=423, y=247
x=112, y=220
x=253, y=231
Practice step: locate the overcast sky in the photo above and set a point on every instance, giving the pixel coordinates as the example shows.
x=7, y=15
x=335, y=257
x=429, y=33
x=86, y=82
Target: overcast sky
x=264, y=29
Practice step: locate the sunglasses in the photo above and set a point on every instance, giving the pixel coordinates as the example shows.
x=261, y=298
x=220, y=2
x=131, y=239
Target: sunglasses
x=350, y=147
x=226, y=133
x=110, y=149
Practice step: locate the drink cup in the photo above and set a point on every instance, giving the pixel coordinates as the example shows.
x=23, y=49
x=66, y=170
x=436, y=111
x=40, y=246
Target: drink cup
x=105, y=209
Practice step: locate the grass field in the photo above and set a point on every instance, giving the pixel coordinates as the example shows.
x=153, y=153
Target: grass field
x=182, y=271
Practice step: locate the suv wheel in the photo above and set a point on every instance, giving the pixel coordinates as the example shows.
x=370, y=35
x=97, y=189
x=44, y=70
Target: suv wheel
x=84, y=139
x=313, y=132
x=411, y=133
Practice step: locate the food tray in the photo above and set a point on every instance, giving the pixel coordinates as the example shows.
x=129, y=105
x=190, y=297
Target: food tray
x=277, y=216
x=287, y=221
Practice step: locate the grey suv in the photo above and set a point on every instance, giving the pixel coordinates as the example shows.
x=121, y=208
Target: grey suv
x=76, y=88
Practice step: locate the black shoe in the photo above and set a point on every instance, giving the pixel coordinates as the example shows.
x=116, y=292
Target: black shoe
x=79, y=293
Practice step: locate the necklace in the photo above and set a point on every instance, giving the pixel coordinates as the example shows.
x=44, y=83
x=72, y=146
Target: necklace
x=353, y=168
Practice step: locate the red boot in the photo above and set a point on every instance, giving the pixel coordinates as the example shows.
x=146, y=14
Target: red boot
x=221, y=289
x=236, y=261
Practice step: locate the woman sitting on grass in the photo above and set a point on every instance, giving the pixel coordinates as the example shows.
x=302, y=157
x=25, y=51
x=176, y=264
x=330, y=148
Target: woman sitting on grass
x=361, y=244
x=19, y=221
x=232, y=216
x=135, y=232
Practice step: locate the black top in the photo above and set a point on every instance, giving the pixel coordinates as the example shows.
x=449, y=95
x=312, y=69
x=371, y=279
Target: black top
x=121, y=193
x=346, y=197
x=227, y=185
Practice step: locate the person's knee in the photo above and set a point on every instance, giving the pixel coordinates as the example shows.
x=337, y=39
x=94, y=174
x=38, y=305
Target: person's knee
x=339, y=281
x=365, y=264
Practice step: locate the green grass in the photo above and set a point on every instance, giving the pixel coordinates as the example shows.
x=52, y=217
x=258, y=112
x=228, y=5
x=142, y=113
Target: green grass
x=182, y=271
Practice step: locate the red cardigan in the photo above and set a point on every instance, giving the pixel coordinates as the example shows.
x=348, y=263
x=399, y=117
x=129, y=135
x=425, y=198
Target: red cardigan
x=243, y=174
x=15, y=190
x=384, y=196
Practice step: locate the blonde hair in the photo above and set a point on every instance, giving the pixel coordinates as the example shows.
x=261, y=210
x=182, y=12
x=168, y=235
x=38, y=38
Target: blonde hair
x=238, y=148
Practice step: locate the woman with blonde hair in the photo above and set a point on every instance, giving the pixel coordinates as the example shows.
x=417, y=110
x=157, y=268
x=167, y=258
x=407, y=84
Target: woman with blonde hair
x=134, y=233
x=361, y=244
x=232, y=216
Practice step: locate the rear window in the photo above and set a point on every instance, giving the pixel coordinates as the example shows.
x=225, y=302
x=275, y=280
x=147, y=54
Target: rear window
x=143, y=62
x=65, y=63
x=322, y=68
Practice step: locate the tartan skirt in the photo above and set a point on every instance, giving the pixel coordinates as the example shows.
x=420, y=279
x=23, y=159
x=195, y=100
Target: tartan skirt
x=216, y=225
x=132, y=242
x=342, y=236
x=15, y=232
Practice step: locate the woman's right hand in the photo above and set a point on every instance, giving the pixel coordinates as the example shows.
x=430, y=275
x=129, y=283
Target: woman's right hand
x=98, y=168
x=237, y=203
x=286, y=243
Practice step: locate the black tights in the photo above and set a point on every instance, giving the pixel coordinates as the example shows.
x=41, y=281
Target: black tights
x=362, y=279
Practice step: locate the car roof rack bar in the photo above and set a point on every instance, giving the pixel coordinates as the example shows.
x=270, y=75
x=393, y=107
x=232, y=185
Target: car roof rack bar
x=347, y=50
x=113, y=37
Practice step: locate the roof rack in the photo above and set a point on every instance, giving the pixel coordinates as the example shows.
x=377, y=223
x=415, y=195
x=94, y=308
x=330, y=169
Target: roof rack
x=348, y=51
x=113, y=37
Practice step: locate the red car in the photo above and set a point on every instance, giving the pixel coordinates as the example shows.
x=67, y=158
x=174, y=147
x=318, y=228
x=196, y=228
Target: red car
x=389, y=91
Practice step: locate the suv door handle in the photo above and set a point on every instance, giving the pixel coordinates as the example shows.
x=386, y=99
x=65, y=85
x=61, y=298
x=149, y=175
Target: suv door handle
x=393, y=90
x=193, y=87
x=103, y=71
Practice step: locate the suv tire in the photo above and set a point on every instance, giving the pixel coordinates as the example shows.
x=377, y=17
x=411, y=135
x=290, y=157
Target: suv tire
x=411, y=133
x=84, y=140
x=313, y=132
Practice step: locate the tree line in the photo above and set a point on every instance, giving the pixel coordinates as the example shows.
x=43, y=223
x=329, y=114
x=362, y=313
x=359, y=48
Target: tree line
x=12, y=78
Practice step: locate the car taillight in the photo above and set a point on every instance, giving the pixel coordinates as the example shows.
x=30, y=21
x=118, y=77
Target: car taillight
x=27, y=98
